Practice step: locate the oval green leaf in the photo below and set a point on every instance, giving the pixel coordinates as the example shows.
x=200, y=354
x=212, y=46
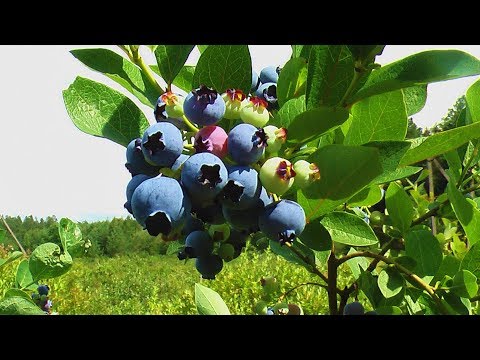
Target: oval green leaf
x=399, y=206
x=209, y=302
x=390, y=282
x=12, y=257
x=17, y=305
x=425, y=249
x=48, y=261
x=98, y=110
x=471, y=260
x=19, y=293
x=170, y=60
x=24, y=277
x=465, y=284
x=71, y=237
x=366, y=197
x=348, y=229
x=292, y=80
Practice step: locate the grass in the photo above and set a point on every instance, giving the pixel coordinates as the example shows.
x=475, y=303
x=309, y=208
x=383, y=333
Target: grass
x=164, y=285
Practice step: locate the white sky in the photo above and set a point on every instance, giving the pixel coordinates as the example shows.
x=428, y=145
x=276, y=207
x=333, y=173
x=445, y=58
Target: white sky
x=49, y=167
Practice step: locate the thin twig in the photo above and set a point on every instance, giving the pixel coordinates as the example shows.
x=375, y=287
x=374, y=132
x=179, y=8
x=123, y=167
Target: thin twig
x=13, y=235
x=285, y=294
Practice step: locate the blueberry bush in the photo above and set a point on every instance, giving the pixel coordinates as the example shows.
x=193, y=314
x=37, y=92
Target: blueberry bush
x=310, y=157
x=46, y=261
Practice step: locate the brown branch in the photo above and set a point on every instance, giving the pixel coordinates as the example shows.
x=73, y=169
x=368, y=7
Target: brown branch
x=13, y=235
x=285, y=294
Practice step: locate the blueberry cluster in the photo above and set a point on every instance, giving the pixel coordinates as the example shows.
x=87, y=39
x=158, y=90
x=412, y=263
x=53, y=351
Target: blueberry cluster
x=41, y=298
x=211, y=187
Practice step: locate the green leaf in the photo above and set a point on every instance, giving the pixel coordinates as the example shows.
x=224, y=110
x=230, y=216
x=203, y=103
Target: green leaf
x=389, y=310
x=208, y=302
x=454, y=165
x=47, y=261
x=290, y=256
x=390, y=282
x=377, y=118
x=24, y=277
x=415, y=98
x=315, y=208
x=465, y=284
x=19, y=293
x=12, y=257
x=424, y=248
x=292, y=80
x=101, y=111
x=184, y=78
x=344, y=170
x=440, y=143
x=399, y=206
x=357, y=264
x=290, y=110
x=330, y=72
x=316, y=237
x=365, y=53
x=202, y=48
x=473, y=101
x=170, y=60
x=348, y=229
x=71, y=237
x=471, y=260
x=457, y=305
x=120, y=70
x=223, y=67
x=17, y=305
x=367, y=283
x=466, y=212
x=450, y=265
x=419, y=69
x=366, y=197
x=311, y=124
x=152, y=47
x=472, y=155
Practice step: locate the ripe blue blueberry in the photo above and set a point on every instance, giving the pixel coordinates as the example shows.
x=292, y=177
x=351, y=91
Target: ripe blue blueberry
x=192, y=224
x=246, y=144
x=198, y=244
x=268, y=92
x=204, y=175
x=162, y=144
x=160, y=205
x=204, y=106
x=43, y=290
x=209, y=266
x=353, y=308
x=270, y=74
x=136, y=162
x=282, y=221
x=132, y=185
x=242, y=188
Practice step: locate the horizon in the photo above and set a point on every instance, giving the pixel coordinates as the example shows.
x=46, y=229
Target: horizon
x=57, y=170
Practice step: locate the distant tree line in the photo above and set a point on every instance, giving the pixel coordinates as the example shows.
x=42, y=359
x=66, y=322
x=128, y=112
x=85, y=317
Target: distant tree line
x=109, y=237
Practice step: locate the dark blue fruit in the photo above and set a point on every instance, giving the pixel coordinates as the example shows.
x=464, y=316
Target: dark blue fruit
x=177, y=165
x=132, y=185
x=43, y=290
x=204, y=175
x=204, y=106
x=353, y=308
x=246, y=144
x=192, y=224
x=162, y=144
x=282, y=221
x=269, y=74
x=136, y=162
x=268, y=92
x=242, y=220
x=198, y=244
x=209, y=266
x=160, y=205
x=242, y=189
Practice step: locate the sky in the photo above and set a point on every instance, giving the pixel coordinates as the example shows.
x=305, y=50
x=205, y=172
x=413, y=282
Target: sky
x=49, y=167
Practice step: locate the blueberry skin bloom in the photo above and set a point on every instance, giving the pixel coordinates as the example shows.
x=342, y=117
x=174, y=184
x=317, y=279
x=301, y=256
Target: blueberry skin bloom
x=204, y=175
x=282, y=221
x=132, y=185
x=246, y=144
x=162, y=144
x=268, y=92
x=242, y=189
x=136, y=162
x=160, y=205
x=204, y=106
x=43, y=289
x=269, y=74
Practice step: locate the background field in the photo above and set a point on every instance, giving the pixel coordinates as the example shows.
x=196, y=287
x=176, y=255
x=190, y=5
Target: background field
x=161, y=284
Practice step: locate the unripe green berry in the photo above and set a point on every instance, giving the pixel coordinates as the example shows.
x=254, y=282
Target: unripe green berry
x=234, y=103
x=277, y=175
x=276, y=138
x=219, y=232
x=226, y=251
x=260, y=308
x=255, y=112
x=306, y=173
x=281, y=308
